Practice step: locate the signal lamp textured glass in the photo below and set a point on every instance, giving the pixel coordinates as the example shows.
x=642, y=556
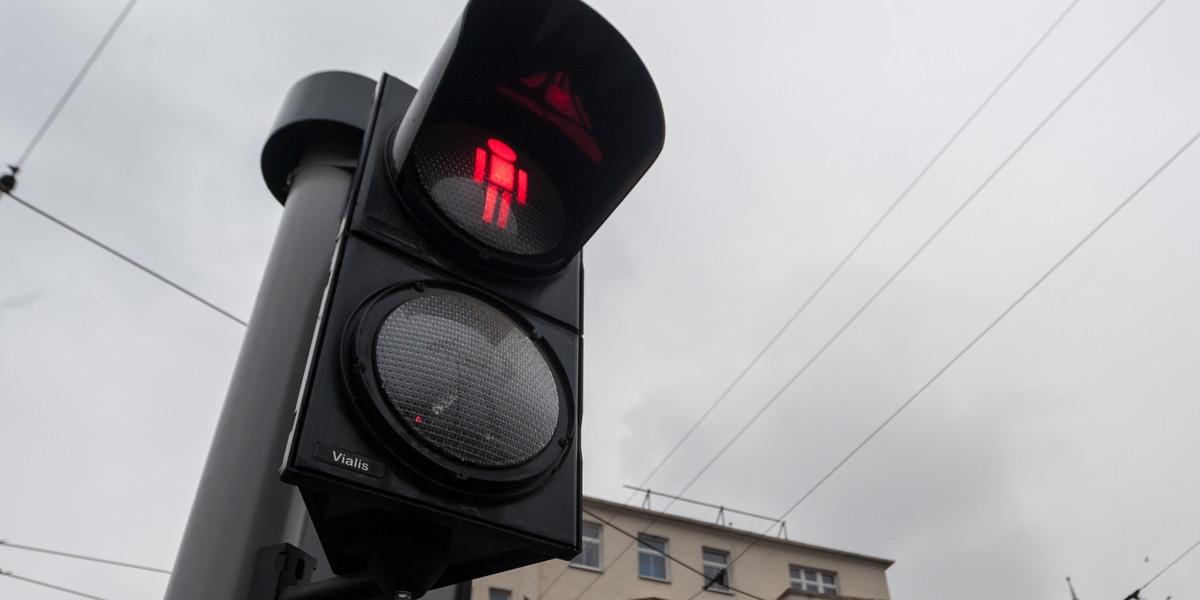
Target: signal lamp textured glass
x=467, y=380
x=490, y=189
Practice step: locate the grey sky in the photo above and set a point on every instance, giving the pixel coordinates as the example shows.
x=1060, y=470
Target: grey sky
x=1062, y=444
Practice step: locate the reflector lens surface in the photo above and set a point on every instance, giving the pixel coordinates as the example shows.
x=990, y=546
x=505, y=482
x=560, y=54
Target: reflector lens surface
x=490, y=189
x=466, y=380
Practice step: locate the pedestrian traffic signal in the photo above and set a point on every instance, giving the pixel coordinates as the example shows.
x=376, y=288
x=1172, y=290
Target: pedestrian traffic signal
x=437, y=433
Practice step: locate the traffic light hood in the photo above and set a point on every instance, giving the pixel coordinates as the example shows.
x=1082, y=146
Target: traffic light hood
x=566, y=101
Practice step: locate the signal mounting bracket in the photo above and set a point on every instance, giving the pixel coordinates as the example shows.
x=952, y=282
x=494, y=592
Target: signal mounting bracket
x=282, y=572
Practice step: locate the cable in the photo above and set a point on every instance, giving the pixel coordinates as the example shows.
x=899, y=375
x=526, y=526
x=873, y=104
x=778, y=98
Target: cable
x=1168, y=567
x=633, y=540
x=974, y=341
x=920, y=250
x=871, y=231
x=126, y=259
x=853, y=251
x=87, y=66
x=7, y=544
x=917, y=253
x=669, y=557
x=721, y=509
x=610, y=563
x=53, y=587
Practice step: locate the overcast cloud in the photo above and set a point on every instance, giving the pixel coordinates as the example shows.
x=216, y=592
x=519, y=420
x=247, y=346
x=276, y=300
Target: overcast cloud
x=1064, y=443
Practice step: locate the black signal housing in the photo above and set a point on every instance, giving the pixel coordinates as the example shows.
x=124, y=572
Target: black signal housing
x=437, y=434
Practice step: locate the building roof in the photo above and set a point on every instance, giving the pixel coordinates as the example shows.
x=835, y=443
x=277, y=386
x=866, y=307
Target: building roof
x=794, y=593
x=725, y=530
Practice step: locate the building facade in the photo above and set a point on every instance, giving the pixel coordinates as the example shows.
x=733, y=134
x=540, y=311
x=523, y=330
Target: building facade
x=634, y=554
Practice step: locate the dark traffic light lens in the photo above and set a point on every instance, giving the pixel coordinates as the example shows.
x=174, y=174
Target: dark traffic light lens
x=467, y=380
x=489, y=188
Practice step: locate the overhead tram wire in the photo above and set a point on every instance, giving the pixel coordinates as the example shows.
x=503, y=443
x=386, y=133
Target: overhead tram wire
x=7, y=544
x=862, y=241
x=1136, y=592
x=666, y=555
x=910, y=260
x=87, y=66
x=974, y=341
x=721, y=509
x=837, y=270
x=51, y=586
x=117, y=254
x=920, y=250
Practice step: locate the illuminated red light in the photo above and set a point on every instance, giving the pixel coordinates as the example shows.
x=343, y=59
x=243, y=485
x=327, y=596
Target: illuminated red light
x=552, y=99
x=418, y=419
x=489, y=204
x=495, y=167
x=558, y=95
x=534, y=81
x=502, y=150
x=505, y=201
x=561, y=101
x=480, y=164
x=503, y=173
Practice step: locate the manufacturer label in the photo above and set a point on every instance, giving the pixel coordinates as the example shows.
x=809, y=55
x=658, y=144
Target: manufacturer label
x=348, y=460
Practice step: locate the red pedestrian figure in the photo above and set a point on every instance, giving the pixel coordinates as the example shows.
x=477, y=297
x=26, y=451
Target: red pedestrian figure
x=503, y=179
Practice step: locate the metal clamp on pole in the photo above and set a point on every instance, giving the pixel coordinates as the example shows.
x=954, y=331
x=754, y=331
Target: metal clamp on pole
x=282, y=572
x=277, y=568
x=357, y=587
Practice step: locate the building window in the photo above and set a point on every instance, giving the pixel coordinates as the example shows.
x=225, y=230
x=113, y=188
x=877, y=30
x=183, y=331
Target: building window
x=498, y=594
x=589, y=554
x=652, y=557
x=812, y=580
x=716, y=570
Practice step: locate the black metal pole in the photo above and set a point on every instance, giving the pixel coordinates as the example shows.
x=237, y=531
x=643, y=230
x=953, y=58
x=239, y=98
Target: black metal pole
x=241, y=506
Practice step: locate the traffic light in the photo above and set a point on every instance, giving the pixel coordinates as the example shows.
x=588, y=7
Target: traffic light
x=437, y=433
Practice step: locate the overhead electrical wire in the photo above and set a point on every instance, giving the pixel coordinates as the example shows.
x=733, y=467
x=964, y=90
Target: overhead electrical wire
x=937, y=232
x=754, y=361
x=1136, y=592
x=7, y=544
x=62, y=101
x=974, y=341
x=863, y=240
x=837, y=270
x=721, y=510
x=921, y=249
x=125, y=258
x=48, y=585
x=666, y=555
